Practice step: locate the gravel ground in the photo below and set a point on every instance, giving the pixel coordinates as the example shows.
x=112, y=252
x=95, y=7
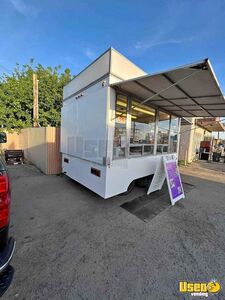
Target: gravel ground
x=71, y=244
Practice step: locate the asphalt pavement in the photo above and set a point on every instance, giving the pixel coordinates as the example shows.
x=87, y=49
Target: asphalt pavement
x=71, y=244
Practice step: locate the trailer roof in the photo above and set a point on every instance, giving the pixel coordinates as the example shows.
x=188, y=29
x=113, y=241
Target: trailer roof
x=188, y=91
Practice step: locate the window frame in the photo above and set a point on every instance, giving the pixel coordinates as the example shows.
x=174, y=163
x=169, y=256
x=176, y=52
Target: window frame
x=156, y=129
x=178, y=133
x=126, y=123
x=143, y=144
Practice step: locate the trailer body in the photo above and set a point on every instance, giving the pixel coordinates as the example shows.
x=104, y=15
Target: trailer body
x=109, y=137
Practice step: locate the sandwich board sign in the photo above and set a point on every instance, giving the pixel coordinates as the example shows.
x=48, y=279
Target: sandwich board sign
x=167, y=169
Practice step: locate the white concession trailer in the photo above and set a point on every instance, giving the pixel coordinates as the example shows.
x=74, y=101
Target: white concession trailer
x=117, y=121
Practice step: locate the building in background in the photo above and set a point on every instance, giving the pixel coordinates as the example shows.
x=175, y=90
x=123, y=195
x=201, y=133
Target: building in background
x=192, y=132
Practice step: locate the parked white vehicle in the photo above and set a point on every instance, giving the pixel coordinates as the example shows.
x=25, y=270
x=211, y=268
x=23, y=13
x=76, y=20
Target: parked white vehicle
x=117, y=121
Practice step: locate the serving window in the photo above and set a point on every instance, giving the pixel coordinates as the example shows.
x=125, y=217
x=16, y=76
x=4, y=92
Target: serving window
x=120, y=134
x=141, y=130
x=163, y=133
x=174, y=131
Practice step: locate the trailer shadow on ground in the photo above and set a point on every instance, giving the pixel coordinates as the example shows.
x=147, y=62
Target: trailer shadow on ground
x=147, y=207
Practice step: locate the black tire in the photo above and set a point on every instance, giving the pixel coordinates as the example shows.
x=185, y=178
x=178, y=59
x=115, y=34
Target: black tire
x=143, y=182
x=129, y=189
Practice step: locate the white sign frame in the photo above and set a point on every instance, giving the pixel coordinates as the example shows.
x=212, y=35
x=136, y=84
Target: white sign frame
x=158, y=178
x=161, y=174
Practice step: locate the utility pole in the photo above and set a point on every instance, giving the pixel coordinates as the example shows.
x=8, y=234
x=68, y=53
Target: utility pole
x=35, y=102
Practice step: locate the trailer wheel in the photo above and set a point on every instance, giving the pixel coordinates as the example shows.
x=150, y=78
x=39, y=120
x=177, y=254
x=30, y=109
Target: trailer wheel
x=129, y=189
x=144, y=181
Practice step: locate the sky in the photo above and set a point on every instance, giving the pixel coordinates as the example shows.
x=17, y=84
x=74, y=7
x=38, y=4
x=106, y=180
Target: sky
x=154, y=34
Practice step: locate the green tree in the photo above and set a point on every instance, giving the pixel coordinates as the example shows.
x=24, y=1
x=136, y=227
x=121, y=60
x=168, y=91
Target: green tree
x=16, y=95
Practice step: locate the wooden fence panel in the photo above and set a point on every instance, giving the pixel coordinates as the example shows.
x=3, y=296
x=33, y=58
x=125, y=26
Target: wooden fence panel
x=41, y=147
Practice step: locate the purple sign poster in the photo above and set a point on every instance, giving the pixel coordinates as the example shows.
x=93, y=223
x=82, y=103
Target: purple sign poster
x=173, y=180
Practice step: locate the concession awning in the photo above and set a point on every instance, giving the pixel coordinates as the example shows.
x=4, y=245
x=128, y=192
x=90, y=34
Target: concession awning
x=188, y=91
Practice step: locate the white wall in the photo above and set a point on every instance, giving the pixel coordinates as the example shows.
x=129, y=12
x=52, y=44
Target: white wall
x=84, y=128
x=89, y=120
x=96, y=70
x=123, y=171
x=123, y=67
x=80, y=170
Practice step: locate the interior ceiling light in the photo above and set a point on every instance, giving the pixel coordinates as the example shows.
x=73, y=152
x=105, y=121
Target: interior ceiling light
x=120, y=103
x=143, y=110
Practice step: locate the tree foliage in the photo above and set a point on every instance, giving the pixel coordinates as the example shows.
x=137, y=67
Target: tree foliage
x=16, y=95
